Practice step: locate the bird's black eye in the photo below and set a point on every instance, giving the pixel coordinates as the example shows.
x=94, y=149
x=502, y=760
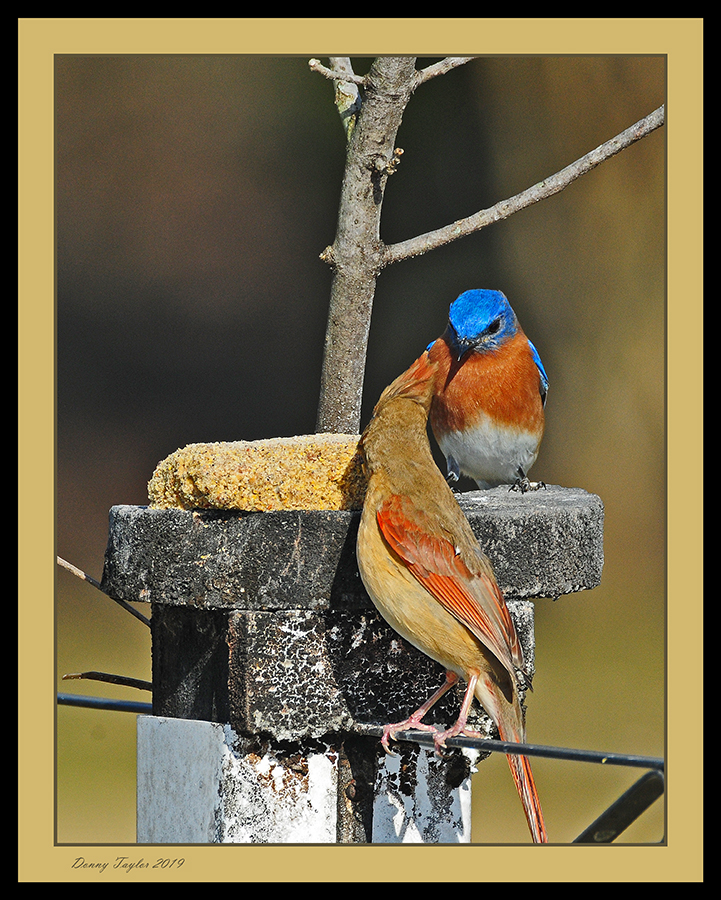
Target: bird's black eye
x=494, y=327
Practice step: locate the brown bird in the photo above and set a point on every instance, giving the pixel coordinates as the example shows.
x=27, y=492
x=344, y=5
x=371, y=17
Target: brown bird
x=428, y=577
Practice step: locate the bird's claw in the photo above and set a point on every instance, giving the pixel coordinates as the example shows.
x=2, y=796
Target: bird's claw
x=388, y=750
x=453, y=470
x=439, y=739
x=390, y=731
x=442, y=752
x=523, y=485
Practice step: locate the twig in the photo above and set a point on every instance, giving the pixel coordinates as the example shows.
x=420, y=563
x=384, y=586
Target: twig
x=343, y=74
x=440, y=68
x=96, y=584
x=548, y=187
x=336, y=74
x=112, y=679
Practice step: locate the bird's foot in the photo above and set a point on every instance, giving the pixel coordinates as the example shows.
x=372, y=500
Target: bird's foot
x=415, y=720
x=440, y=738
x=390, y=731
x=453, y=470
x=524, y=485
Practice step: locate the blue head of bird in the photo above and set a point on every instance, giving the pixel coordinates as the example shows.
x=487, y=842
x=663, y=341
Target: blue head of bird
x=480, y=320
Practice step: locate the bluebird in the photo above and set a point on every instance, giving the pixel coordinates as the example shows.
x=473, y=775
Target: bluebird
x=488, y=409
x=430, y=580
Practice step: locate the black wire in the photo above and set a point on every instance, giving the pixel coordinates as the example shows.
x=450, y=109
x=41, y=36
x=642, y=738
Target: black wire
x=422, y=737
x=605, y=829
x=133, y=706
x=592, y=756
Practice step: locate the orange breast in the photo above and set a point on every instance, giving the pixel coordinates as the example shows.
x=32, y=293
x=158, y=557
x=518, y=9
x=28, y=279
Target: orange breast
x=503, y=383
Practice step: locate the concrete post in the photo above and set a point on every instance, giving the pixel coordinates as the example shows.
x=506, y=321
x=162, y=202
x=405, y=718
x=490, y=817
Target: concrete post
x=268, y=655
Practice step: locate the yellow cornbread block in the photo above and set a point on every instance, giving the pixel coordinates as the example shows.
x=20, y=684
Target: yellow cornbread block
x=318, y=471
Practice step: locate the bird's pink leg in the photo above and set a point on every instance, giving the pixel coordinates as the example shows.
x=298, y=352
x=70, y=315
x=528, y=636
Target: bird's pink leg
x=459, y=727
x=414, y=720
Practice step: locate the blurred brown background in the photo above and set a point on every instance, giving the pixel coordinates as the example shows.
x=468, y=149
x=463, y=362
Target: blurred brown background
x=194, y=195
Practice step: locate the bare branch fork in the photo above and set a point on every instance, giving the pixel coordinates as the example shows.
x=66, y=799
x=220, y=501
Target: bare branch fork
x=357, y=255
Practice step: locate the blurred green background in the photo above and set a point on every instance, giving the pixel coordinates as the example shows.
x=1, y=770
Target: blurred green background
x=194, y=195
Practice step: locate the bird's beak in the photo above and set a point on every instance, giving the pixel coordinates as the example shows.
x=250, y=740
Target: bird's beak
x=460, y=346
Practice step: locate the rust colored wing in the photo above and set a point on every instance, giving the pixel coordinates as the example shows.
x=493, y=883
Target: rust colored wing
x=473, y=598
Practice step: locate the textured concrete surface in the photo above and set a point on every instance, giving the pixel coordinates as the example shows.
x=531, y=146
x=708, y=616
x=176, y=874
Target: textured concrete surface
x=195, y=787
x=543, y=544
x=200, y=783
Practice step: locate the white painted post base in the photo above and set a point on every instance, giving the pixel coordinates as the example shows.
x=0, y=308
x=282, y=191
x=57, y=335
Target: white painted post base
x=193, y=787
x=430, y=813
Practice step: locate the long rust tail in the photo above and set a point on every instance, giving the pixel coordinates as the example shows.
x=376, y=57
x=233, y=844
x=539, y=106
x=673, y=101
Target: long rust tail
x=525, y=785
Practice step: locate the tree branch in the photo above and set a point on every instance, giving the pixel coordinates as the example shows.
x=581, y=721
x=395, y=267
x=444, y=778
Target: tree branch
x=356, y=251
x=336, y=74
x=548, y=187
x=347, y=93
x=347, y=74
x=357, y=255
x=440, y=68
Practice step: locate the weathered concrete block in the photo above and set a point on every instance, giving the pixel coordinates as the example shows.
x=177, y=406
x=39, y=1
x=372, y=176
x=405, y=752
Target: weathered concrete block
x=543, y=544
x=297, y=675
x=211, y=559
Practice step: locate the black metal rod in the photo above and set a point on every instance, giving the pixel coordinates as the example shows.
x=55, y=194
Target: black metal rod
x=133, y=706
x=605, y=829
x=629, y=806
x=96, y=584
x=123, y=680
x=592, y=756
x=422, y=737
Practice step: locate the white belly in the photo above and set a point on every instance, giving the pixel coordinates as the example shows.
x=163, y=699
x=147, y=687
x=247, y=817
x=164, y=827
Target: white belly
x=491, y=455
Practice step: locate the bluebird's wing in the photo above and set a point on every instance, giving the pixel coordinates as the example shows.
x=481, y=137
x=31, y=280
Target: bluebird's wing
x=542, y=372
x=472, y=597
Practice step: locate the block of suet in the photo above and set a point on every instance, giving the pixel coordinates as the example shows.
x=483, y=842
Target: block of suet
x=319, y=471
